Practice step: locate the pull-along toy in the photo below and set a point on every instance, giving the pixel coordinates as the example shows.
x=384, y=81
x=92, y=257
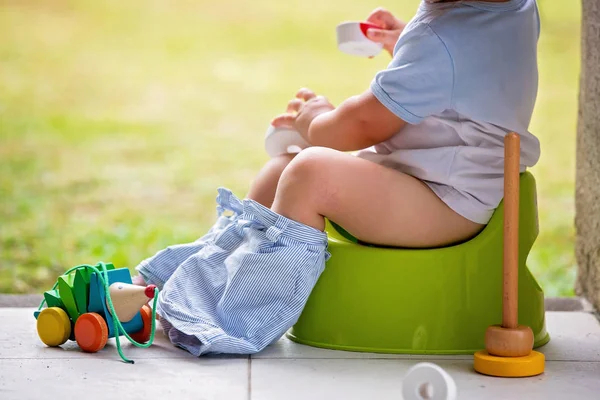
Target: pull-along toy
x=83, y=303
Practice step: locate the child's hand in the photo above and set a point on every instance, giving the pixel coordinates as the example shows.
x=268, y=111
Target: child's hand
x=302, y=110
x=391, y=28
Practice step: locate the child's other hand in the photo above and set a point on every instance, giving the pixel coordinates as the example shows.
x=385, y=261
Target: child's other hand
x=391, y=28
x=302, y=110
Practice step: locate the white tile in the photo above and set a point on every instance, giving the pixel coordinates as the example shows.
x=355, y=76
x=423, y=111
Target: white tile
x=574, y=336
x=19, y=340
x=95, y=378
x=28, y=369
x=561, y=380
x=317, y=379
x=382, y=379
x=286, y=348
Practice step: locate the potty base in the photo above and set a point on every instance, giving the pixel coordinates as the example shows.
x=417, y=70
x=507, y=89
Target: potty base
x=421, y=301
x=290, y=335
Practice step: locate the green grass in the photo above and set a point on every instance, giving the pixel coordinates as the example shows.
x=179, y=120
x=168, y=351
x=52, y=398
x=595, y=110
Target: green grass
x=118, y=121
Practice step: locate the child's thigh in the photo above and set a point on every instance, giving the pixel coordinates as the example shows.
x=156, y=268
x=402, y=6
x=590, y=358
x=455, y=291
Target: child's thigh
x=383, y=206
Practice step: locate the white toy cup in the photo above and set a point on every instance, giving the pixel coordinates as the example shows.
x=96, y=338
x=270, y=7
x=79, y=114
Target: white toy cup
x=280, y=141
x=428, y=381
x=352, y=39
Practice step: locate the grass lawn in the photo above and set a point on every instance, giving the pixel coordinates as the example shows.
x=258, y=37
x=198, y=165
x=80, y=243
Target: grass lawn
x=118, y=120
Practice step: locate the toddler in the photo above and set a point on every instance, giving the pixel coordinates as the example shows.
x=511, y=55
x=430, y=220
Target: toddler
x=428, y=172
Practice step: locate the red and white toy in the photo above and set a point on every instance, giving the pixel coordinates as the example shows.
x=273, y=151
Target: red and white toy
x=352, y=39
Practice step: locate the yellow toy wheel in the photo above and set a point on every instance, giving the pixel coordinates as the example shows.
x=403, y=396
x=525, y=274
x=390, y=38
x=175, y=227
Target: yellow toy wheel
x=53, y=326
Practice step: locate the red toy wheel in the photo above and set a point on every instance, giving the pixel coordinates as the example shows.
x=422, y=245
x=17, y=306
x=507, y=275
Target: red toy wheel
x=91, y=332
x=143, y=335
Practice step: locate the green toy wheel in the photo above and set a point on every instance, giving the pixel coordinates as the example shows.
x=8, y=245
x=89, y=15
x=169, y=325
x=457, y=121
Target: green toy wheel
x=53, y=326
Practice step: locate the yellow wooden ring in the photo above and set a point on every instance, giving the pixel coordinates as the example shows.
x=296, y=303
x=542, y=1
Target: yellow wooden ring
x=509, y=367
x=53, y=326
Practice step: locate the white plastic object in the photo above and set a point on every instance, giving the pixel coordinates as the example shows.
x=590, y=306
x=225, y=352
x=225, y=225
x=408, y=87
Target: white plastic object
x=280, y=141
x=352, y=39
x=428, y=381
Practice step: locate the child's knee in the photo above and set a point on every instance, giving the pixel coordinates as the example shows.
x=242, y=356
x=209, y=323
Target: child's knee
x=311, y=178
x=309, y=167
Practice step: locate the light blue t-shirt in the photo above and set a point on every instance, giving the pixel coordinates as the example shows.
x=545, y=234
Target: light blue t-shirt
x=463, y=75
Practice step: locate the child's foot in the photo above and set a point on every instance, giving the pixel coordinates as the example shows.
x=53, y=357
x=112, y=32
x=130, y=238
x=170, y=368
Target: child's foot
x=138, y=280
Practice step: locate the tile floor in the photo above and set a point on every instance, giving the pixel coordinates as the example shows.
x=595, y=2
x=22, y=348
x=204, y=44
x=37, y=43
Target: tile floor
x=285, y=370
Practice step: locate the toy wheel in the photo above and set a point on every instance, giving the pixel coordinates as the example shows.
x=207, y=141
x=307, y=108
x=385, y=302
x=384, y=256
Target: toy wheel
x=91, y=332
x=53, y=326
x=143, y=335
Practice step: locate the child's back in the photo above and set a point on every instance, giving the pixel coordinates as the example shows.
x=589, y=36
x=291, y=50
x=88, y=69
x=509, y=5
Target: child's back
x=464, y=74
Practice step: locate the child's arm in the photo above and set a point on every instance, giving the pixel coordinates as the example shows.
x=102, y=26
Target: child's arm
x=358, y=123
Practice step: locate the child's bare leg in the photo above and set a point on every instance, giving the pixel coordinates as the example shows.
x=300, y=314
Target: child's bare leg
x=264, y=185
x=374, y=203
x=138, y=280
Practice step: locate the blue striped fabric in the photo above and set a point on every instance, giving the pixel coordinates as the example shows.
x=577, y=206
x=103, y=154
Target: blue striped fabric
x=241, y=286
x=159, y=268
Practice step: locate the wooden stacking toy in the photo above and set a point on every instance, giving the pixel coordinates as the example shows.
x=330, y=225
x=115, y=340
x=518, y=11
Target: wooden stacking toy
x=509, y=347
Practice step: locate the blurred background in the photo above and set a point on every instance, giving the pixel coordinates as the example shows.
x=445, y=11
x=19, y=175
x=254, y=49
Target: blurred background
x=118, y=120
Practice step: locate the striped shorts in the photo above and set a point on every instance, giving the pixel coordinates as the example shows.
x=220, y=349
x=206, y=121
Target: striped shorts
x=242, y=285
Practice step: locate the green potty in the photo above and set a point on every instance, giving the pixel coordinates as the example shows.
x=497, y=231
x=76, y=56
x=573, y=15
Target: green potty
x=421, y=301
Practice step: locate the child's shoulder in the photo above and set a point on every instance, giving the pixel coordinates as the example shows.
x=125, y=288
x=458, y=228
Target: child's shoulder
x=479, y=23
x=454, y=19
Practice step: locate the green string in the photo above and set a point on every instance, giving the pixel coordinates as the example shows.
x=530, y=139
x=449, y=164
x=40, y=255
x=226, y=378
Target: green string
x=117, y=326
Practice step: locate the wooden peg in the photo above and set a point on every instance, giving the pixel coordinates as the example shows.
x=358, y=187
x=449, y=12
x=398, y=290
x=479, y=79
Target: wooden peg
x=510, y=339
